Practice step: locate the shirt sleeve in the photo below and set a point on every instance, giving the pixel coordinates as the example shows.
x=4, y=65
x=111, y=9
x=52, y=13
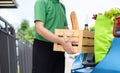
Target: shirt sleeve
x=66, y=23
x=39, y=11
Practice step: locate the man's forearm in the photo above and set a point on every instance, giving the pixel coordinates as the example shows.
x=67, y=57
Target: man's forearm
x=47, y=34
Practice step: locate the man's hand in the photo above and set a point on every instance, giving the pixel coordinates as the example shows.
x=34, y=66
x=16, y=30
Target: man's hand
x=68, y=45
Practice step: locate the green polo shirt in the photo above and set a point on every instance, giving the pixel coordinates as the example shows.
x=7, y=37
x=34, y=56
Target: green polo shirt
x=51, y=13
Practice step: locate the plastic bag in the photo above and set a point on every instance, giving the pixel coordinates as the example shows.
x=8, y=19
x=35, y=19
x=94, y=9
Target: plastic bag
x=103, y=37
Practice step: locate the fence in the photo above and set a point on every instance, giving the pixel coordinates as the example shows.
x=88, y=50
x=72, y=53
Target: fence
x=14, y=53
x=25, y=54
x=8, y=59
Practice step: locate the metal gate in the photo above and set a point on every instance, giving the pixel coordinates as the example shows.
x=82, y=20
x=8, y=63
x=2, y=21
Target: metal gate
x=24, y=54
x=8, y=57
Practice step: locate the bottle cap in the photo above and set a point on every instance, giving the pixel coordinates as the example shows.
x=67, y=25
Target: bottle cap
x=86, y=24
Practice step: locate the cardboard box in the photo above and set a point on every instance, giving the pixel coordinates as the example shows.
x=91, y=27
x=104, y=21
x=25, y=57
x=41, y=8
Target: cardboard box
x=85, y=40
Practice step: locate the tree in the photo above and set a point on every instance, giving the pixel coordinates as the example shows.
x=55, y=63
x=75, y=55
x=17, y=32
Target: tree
x=26, y=30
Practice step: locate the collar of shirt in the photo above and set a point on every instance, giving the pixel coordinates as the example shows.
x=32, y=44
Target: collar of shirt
x=55, y=1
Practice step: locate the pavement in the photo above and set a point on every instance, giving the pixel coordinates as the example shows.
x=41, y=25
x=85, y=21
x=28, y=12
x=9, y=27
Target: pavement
x=68, y=63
